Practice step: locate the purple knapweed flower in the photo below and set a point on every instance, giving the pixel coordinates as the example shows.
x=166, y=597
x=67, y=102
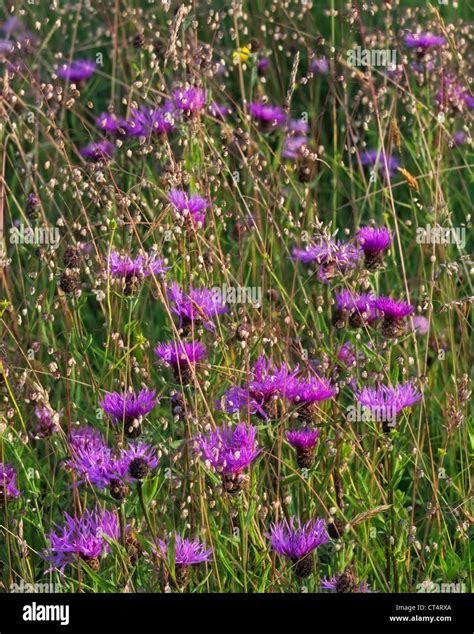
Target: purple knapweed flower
x=7, y=47
x=297, y=541
x=93, y=462
x=84, y=437
x=263, y=65
x=269, y=116
x=459, y=138
x=198, y=305
x=220, y=111
x=78, y=70
x=374, y=241
x=334, y=257
x=345, y=582
x=181, y=355
x=375, y=159
x=421, y=325
x=108, y=122
x=319, y=65
x=98, y=151
x=308, y=390
x=229, y=452
x=129, y=408
x=186, y=553
x=189, y=206
x=394, y=313
x=358, y=307
x=293, y=146
x=146, y=121
x=48, y=421
x=346, y=354
x=424, y=40
x=83, y=538
x=132, y=271
x=13, y=25
x=454, y=95
x=190, y=100
x=139, y=459
x=385, y=402
x=304, y=441
x=8, y=488
x=268, y=383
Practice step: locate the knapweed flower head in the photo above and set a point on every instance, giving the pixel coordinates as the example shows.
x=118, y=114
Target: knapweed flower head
x=47, y=421
x=304, y=441
x=190, y=100
x=268, y=382
x=263, y=65
x=294, y=146
x=186, y=552
x=375, y=158
x=373, y=240
x=83, y=537
x=84, y=437
x=8, y=488
x=360, y=307
x=77, y=70
x=270, y=116
x=228, y=450
x=454, y=95
x=138, y=459
x=98, y=151
x=308, y=390
x=93, y=462
x=181, y=353
x=124, y=266
x=393, y=308
x=421, y=325
x=108, y=122
x=334, y=257
x=386, y=402
x=345, y=582
x=192, y=206
x=129, y=408
x=305, y=438
x=424, y=40
x=197, y=305
x=220, y=111
x=394, y=312
x=297, y=541
x=146, y=121
x=319, y=65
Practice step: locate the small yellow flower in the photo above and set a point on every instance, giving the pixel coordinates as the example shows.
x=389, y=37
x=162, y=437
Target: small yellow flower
x=242, y=54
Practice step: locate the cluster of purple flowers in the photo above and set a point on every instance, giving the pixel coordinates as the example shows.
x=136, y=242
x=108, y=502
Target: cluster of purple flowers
x=94, y=462
x=270, y=382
